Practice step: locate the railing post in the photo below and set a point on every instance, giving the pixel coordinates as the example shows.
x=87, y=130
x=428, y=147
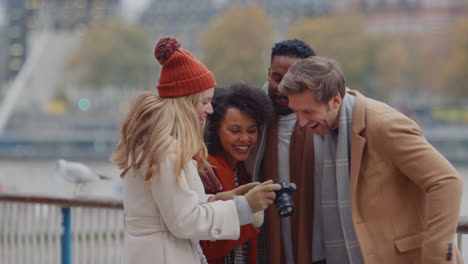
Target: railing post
x=460, y=242
x=66, y=236
x=462, y=228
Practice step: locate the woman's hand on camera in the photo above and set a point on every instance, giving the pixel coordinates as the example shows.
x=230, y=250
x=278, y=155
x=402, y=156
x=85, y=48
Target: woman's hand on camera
x=241, y=190
x=262, y=195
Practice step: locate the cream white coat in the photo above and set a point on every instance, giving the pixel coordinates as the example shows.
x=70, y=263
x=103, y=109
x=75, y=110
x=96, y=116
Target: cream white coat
x=165, y=219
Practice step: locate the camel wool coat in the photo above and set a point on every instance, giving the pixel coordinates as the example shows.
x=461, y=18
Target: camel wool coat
x=405, y=195
x=165, y=219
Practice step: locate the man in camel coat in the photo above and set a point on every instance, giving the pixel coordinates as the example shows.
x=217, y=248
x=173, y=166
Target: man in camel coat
x=385, y=195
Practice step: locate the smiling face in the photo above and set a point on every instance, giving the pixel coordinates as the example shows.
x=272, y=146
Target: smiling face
x=318, y=117
x=238, y=134
x=204, y=107
x=279, y=67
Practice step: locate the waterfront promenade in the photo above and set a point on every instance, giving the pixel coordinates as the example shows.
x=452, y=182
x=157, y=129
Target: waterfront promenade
x=88, y=219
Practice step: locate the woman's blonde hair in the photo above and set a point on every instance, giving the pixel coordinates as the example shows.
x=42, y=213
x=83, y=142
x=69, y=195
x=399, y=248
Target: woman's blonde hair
x=155, y=127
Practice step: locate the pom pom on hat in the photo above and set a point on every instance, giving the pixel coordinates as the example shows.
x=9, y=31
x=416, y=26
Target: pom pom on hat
x=165, y=48
x=181, y=73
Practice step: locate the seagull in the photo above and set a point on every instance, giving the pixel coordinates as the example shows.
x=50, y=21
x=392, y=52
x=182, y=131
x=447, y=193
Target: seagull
x=76, y=173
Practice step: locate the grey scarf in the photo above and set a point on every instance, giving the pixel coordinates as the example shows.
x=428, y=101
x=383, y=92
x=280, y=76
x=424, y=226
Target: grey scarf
x=339, y=237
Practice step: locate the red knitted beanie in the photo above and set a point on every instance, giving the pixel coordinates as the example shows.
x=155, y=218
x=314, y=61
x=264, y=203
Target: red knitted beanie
x=181, y=73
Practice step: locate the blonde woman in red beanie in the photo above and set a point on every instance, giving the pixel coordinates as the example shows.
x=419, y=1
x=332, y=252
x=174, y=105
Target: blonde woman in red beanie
x=160, y=152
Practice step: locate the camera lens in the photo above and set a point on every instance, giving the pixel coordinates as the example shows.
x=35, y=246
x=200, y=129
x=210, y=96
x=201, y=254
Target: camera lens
x=285, y=208
x=283, y=201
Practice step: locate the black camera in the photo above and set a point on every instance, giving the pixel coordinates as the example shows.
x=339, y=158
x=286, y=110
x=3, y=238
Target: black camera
x=283, y=201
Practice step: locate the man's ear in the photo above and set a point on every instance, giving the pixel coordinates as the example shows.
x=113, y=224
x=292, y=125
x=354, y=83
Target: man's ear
x=269, y=72
x=336, y=101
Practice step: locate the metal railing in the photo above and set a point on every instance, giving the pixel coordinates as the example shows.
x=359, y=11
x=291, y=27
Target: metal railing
x=39, y=229
x=462, y=229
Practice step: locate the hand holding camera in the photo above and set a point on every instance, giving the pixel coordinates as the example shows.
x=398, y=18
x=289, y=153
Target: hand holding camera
x=262, y=195
x=241, y=190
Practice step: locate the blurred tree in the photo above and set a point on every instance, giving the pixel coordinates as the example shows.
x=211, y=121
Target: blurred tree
x=114, y=54
x=401, y=67
x=433, y=49
x=235, y=45
x=454, y=65
x=391, y=64
x=343, y=38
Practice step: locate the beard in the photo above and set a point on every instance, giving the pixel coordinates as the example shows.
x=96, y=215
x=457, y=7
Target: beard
x=280, y=109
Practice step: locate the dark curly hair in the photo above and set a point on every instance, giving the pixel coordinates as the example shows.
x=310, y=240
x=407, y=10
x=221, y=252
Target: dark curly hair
x=295, y=48
x=248, y=99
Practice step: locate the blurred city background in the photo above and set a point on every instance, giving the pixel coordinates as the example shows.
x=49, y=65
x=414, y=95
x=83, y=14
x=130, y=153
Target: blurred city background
x=68, y=68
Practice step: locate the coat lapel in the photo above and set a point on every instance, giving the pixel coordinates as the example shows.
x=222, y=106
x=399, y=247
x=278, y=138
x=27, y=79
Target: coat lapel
x=357, y=141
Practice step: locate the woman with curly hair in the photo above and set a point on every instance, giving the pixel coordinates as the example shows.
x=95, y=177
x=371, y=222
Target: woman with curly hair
x=231, y=133
x=160, y=152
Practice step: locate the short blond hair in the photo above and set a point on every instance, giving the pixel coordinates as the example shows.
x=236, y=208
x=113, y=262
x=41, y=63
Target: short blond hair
x=321, y=75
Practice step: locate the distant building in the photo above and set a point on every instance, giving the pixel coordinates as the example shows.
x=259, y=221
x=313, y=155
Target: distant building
x=343, y=6
x=3, y=51
x=68, y=14
x=24, y=16
x=415, y=17
x=18, y=24
x=186, y=19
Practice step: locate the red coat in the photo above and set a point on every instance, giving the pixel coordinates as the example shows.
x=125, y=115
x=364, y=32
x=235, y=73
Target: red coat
x=215, y=251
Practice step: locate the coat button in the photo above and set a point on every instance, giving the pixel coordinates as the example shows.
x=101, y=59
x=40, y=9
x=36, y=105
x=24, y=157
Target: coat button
x=449, y=252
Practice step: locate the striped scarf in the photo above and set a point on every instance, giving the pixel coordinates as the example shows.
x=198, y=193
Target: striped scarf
x=217, y=252
x=339, y=237
x=240, y=254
